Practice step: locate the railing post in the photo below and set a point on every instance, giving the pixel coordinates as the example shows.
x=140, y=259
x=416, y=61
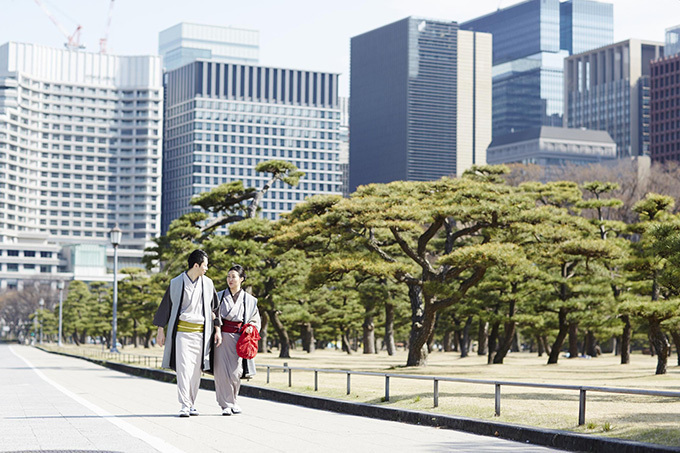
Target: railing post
x=436, y=393
x=387, y=388
x=267, y=374
x=290, y=377
x=498, y=400
x=348, y=375
x=582, y=407
x=316, y=380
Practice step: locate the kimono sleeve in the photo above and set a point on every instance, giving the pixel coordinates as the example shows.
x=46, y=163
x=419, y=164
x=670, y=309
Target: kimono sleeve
x=162, y=316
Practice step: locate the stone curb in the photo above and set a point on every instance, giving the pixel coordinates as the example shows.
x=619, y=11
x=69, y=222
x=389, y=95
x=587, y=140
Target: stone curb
x=563, y=440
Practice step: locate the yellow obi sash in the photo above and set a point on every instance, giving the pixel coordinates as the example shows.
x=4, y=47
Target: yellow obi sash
x=183, y=326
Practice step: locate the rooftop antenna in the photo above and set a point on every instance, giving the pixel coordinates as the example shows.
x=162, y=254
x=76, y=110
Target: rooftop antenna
x=73, y=40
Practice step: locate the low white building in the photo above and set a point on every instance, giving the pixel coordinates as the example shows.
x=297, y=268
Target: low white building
x=552, y=146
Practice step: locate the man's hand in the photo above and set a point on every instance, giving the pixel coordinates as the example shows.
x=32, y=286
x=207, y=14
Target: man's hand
x=218, y=338
x=160, y=337
x=249, y=329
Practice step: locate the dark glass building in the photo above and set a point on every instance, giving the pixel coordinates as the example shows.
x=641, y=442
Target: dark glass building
x=665, y=109
x=530, y=41
x=405, y=105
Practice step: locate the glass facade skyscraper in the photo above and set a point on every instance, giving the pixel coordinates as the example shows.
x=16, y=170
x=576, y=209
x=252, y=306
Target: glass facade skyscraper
x=404, y=110
x=186, y=42
x=223, y=119
x=609, y=89
x=530, y=41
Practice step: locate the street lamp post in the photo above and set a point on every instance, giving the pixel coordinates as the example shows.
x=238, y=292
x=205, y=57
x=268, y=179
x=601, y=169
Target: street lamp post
x=60, y=285
x=116, y=235
x=41, y=302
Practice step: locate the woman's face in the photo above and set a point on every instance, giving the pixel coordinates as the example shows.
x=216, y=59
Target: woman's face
x=234, y=281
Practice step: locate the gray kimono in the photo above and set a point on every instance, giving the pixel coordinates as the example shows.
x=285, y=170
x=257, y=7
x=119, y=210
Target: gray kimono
x=167, y=316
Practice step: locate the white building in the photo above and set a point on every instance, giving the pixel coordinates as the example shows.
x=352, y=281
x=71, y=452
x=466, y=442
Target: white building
x=222, y=118
x=185, y=42
x=80, y=151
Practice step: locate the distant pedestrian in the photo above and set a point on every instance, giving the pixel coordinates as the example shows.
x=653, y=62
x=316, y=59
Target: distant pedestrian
x=239, y=314
x=187, y=311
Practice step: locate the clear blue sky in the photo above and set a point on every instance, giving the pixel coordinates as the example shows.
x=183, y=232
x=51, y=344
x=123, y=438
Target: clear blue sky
x=301, y=34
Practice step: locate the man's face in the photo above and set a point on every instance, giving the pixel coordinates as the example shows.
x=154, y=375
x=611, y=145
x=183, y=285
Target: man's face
x=203, y=267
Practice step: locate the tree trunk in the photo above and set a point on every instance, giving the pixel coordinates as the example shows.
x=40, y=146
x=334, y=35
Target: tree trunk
x=147, y=339
x=262, y=343
x=465, y=344
x=368, y=334
x=284, y=339
x=308, y=342
x=506, y=344
x=554, y=354
x=591, y=344
x=483, y=338
x=389, y=329
x=573, y=340
x=448, y=341
x=660, y=343
x=546, y=345
x=417, y=351
x=493, y=342
x=540, y=345
x=456, y=341
x=345, y=342
x=625, y=339
x=675, y=334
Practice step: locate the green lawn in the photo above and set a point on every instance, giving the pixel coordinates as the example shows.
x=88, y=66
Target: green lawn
x=640, y=418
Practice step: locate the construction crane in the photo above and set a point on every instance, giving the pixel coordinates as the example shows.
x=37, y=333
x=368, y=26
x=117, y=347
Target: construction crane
x=103, y=41
x=72, y=40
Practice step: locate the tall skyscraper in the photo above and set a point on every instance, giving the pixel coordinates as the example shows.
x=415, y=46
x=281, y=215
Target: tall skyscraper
x=80, y=150
x=344, y=144
x=672, y=45
x=530, y=41
x=185, y=42
x=222, y=119
x=665, y=108
x=608, y=89
x=420, y=101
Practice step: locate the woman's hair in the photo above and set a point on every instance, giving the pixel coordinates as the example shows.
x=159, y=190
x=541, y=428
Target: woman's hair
x=239, y=270
x=196, y=257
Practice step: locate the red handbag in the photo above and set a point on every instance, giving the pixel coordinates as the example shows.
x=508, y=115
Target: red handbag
x=246, y=346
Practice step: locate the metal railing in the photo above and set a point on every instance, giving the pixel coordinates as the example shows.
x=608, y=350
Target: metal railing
x=155, y=362
x=497, y=385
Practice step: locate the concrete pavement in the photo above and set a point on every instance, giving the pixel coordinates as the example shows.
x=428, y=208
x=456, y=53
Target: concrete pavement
x=56, y=403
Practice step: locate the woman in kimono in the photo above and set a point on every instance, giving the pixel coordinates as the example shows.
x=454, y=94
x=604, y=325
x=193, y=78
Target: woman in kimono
x=236, y=309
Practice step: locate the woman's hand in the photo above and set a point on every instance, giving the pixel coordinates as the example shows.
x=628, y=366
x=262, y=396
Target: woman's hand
x=218, y=338
x=249, y=329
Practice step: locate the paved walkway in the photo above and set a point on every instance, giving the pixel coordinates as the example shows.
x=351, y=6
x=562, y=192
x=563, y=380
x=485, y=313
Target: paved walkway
x=54, y=403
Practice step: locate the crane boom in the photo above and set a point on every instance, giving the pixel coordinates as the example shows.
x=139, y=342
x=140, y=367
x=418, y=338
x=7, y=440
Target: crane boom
x=103, y=41
x=73, y=40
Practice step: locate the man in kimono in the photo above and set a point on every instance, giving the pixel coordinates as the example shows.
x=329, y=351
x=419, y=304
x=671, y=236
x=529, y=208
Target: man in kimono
x=186, y=315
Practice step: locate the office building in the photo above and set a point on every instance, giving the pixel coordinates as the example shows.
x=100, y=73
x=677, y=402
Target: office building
x=530, y=41
x=80, y=149
x=185, y=42
x=222, y=119
x=665, y=109
x=672, y=45
x=608, y=89
x=552, y=147
x=420, y=101
x=344, y=145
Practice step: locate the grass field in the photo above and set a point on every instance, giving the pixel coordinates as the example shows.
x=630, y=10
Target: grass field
x=641, y=418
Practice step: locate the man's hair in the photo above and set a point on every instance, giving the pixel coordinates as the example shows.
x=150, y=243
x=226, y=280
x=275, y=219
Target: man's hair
x=197, y=257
